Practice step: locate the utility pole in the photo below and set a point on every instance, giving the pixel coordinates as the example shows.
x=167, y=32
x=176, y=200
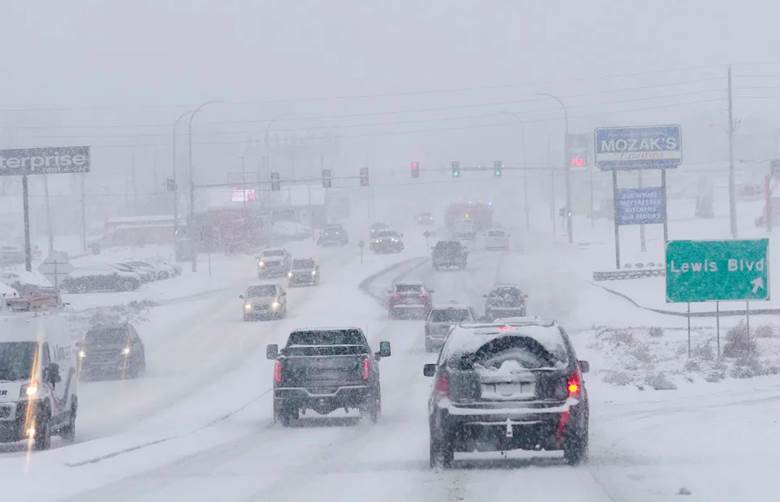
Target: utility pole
x=175, y=184
x=191, y=221
x=525, y=183
x=567, y=171
x=732, y=190
x=134, y=183
x=642, y=240
x=26, y=206
x=83, y=214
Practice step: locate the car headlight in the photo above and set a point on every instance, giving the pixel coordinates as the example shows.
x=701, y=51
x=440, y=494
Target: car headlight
x=29, y=390
x=313, y=272
x=261, y=264
x=126, y=351
x=247, y=306
x=289, y=274
x=82, y=354
x=275, y=305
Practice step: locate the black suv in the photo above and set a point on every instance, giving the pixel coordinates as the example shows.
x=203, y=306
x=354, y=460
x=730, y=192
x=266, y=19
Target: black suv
x=326, y=370
x=112, y=350
x=449, y=254
x=505, y=300
x=502, y=387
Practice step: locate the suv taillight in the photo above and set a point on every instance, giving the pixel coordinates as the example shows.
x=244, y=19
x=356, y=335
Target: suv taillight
x=574, y=385
x=365, y=369
x=278, y=371
x=442, y=385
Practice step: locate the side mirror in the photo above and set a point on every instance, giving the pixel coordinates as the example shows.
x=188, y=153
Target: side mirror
x=283, y=293
x=384, y=349
x=52, y=374
x=241, y=296
x=584, y=366
x=271, y=351
x=429, y=370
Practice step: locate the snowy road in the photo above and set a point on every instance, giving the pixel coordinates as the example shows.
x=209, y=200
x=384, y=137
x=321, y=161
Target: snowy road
x=199, y=427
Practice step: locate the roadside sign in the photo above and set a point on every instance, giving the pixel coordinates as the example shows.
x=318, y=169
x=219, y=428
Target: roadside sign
x=641, y=206
x=655, y=147
x=698, y=271
x=55, y=267
x=54, y=160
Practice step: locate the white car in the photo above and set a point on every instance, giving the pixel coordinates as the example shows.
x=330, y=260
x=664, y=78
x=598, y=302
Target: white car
x=38, y=371
x=496, y=238
x=441, y=320
x=273, y=263
x=264, y=301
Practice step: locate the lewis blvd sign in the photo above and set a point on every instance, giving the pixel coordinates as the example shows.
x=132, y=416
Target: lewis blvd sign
x=699, y=271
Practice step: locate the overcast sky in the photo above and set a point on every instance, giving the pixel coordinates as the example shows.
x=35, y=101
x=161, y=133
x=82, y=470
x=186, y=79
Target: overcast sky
x=141, y=63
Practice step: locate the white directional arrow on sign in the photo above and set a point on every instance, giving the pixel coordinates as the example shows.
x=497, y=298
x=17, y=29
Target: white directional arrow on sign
x=758, y=283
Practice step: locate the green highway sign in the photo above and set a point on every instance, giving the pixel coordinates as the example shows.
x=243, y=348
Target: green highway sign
x=700, y=271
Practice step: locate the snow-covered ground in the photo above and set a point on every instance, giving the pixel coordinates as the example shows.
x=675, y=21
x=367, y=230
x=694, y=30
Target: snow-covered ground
x=199, y=425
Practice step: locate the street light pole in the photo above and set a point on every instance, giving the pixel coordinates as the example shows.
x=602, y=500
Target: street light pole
x=193, y=239
x=525, y=170
x=176, y=186
x=567, y=171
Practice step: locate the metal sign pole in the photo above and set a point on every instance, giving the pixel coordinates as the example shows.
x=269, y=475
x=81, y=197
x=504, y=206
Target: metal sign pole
x=717, y=327
x=642, y=240
x=666, y=210
x=26, y=205
x=615, y=218
x=747, y=316
x=689, y=330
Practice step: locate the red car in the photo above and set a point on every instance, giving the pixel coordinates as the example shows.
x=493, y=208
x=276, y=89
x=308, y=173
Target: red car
x=409, y=300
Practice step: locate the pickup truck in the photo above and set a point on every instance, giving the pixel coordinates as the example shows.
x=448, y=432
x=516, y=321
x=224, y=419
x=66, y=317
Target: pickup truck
x=326, y=369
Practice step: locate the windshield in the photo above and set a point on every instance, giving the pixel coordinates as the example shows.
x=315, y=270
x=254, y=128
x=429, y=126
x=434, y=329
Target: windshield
x=495, y=233
x=274, y=252
x=303, y=263
x=387, y=234
x=263, y=290
x=109, y=336
x=16, y=360
x=449, y=315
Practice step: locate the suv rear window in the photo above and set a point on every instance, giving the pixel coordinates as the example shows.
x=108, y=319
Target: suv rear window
x=303, y=263
x=496, y=233
x=510, y=353
x=449, y=315
x=449, y=246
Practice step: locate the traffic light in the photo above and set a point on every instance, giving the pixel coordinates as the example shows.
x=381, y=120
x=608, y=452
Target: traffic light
x=327, y=179
x=364, y=176
x=415, y=165
x=275, y=184
x=170, y=184
x=498, y=168
x=577, y=150
x=455, y=169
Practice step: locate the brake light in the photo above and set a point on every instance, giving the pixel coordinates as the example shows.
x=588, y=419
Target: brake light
x=574, y=385
x=278, y=371
x=366, y=369
x=442, y=385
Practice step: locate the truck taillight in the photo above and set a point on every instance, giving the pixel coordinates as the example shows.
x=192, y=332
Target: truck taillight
x=278, y=371
x=574, y=385
x=365, y=369
x=442, y=385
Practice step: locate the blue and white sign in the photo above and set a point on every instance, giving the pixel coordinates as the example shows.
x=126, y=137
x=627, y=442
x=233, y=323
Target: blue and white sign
x=655, y=147
x=641, y=206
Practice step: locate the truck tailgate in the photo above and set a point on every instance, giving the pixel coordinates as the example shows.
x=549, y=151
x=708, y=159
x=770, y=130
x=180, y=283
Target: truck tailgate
x=322, y=371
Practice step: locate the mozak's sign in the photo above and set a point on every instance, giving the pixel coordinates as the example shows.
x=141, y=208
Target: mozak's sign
x=51, y=160
x=654, y=147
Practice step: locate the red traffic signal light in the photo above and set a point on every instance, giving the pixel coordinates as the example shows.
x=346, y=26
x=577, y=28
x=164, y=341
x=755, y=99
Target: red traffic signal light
x=415, y=165
x=578, y=161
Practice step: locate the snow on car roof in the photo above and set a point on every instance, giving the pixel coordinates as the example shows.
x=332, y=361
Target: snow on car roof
x=454, y=306
x=470, y=337
x=7, y=291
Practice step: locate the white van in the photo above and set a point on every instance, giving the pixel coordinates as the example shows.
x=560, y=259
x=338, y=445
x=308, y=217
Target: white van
x=496, y=238
x=38, y=378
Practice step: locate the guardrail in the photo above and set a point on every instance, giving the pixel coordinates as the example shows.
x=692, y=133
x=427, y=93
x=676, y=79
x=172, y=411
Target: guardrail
x=638, y=271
